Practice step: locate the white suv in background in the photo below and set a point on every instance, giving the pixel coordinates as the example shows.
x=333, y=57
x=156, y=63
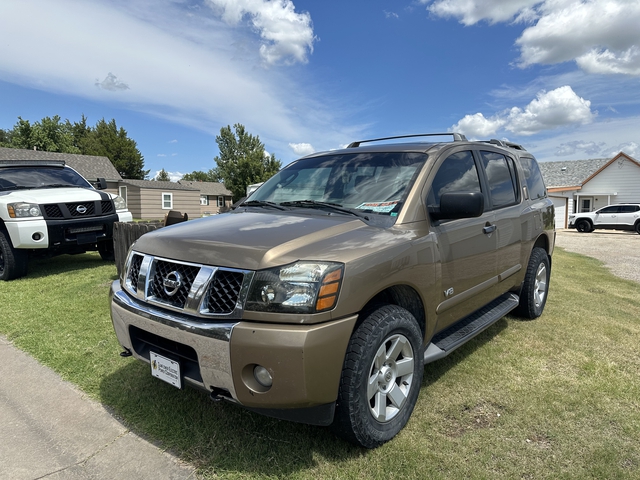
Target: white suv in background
x=624, y=216
x=48, y=208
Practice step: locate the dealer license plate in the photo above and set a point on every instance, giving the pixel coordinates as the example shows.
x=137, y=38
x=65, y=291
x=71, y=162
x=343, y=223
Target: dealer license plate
x=165, y=369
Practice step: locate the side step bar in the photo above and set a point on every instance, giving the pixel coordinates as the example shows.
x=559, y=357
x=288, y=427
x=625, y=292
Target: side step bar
x=458, y=334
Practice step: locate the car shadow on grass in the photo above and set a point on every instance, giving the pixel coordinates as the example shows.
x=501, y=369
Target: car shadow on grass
x=219, y=437
x=44, y=266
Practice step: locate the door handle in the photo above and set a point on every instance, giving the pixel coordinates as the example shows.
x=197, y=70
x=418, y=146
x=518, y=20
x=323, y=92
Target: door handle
x=489, y=229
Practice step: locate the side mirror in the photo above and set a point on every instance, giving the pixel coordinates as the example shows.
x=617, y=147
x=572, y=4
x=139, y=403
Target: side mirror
x=455, y=205
x=101, y=184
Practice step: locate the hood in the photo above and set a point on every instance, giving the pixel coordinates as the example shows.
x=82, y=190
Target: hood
x=54, y=195
x=256, y=240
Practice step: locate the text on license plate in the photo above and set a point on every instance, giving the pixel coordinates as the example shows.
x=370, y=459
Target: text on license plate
x=165, y=369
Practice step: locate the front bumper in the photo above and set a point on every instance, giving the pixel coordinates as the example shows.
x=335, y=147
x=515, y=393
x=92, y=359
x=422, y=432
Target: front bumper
x=305, y=361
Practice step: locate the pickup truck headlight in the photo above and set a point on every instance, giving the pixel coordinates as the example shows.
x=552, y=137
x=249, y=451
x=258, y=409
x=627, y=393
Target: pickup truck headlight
x=20, y=210
x=119, y=203
x=301, y=287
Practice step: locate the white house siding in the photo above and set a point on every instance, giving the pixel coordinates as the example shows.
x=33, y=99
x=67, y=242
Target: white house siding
x=560, y=203
x=617, y=183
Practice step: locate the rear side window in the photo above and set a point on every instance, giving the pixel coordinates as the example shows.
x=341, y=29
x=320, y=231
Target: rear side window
x=629, y=208
x=501, y=175
x=533, y=177
x=458, y=173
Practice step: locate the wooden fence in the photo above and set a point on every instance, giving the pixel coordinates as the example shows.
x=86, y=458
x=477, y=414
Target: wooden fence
x=124, y=234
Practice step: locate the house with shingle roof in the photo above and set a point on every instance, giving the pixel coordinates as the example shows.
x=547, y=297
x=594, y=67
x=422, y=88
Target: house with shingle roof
x=214, y=197
x=587, y=185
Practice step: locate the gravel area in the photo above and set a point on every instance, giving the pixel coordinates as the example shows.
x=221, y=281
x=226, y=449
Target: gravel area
x=620, y=251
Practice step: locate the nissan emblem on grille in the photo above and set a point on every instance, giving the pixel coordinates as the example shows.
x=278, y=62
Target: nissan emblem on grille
x=81, y=209
x=172, y=283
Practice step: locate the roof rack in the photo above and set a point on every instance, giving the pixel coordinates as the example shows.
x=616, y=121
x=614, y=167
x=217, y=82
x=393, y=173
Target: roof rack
x=457, y=137
x=502, y=143
x=39, y=163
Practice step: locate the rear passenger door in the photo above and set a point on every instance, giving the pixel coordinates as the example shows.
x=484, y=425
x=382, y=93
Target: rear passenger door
x=505, y=201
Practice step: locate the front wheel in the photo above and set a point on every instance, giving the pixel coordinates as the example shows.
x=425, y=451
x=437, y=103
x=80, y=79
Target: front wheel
x=583, y=226
x=106, y=251
x=637, y=228
x=13, y=262
x=381, y=377
x=535, y=289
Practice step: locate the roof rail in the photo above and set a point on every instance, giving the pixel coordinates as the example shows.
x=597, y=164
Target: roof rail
x=40, y=163
x=457, y=137
x=502, y=143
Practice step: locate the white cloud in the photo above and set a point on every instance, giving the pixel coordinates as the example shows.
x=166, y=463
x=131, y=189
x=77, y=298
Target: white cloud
x=557, y=108
x=302, y=148
x=602, y=36
x=570, y=148
x=179, y=64
x=173, y=176
x=630, y=148
x=112, y=83
x=287, y=36
x=391, y=14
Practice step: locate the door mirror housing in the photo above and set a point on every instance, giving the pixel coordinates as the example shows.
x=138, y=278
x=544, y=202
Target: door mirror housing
x=454, y=205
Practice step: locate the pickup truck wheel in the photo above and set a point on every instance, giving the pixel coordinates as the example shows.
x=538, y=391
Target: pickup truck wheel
x=106, y=251
x=536, y=285
x=381, y=377
x=583, y=226
x=13, y=262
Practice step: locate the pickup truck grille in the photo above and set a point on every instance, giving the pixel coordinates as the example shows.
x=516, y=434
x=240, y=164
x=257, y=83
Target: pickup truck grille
x=195, y=289
x=77, y=210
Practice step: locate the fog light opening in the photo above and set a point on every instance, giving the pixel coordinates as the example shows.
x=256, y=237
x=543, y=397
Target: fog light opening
x=262, y=376
x=37, y=236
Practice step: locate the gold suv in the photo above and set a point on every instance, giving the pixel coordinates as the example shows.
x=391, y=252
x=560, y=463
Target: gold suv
x=322, y=296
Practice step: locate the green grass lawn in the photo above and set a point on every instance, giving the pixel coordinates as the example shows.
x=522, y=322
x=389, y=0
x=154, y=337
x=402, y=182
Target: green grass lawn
x=558, y=397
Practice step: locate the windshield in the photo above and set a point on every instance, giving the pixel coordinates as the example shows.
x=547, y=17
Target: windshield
x=366, y=182
x=14, y=178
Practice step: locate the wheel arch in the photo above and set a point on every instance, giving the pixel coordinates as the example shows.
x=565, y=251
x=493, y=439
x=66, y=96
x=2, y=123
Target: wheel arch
x=403, y=296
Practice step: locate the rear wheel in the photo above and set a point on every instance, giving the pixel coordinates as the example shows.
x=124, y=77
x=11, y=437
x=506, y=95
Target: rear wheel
x=106, y=251
x=381, y=377
x=13, y=262
x=536, y=285
x=583, y=226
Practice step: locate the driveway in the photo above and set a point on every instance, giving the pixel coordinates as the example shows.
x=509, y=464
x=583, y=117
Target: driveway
x=620, y=251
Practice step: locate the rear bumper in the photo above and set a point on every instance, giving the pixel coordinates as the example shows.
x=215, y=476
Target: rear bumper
x=305, y=361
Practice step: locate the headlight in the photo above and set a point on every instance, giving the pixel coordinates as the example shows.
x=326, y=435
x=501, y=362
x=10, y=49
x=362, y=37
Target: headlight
x=302, y=287
x=120, y=203
x=17, y=210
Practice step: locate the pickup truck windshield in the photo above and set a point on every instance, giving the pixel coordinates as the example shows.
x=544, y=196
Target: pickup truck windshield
x=366, y=182
x=21, y=178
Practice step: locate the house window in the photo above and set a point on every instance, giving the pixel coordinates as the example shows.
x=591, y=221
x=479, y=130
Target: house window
x=585, y=205
x=122, y=191
x=204, y=200
x=220, y=202
x=167, y=201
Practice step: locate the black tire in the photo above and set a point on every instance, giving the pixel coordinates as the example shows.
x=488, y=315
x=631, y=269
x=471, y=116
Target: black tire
x=637, y=228
x=383, y=368
x=13, y=262
x=106, y=251
x=584, y=226
x=535, y=289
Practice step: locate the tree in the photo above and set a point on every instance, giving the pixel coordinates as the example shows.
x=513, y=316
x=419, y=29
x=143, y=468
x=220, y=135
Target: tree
x=162, y=176
x=242, y=160
x=49, y=135
x=107, y=140
x=200, y=176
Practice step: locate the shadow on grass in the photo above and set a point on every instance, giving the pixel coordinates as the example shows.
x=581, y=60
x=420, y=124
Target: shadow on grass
x=222, y=437
x=44, y=266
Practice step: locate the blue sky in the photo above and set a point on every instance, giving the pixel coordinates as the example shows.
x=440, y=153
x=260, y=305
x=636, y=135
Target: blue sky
x=561, y=77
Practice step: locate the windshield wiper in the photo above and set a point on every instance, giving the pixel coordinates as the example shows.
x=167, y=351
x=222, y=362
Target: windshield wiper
x=262, y=203
x=332, y=206
x=59, y=185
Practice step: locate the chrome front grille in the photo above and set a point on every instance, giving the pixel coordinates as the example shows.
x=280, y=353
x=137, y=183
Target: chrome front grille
x=191, y=288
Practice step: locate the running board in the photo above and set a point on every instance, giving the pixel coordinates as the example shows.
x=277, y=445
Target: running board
x=458, y=334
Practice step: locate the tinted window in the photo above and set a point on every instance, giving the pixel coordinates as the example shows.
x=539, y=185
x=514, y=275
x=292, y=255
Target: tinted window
x=612, y=209
x=458, y=173
x=41, y=177
x=500, y=172
x=629, y=208
x=533, y=177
